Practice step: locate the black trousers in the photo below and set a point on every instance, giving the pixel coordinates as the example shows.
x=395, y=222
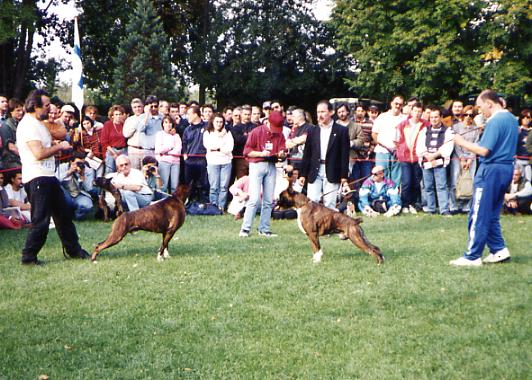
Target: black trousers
x=196, y=176
x=47, y=200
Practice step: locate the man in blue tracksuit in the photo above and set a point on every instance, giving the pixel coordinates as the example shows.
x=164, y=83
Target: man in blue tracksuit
x=496, y=149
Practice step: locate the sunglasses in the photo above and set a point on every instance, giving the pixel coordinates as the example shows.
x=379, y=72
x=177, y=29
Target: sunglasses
x=468, y=115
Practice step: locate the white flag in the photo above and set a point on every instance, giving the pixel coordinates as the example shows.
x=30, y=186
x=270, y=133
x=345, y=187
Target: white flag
x=77, y=70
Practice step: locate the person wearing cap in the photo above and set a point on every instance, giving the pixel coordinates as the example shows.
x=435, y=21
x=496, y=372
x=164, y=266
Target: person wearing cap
x=264, y=147
x=379, y=195
x=325, y=163
x=66, y=116
x=266, y=108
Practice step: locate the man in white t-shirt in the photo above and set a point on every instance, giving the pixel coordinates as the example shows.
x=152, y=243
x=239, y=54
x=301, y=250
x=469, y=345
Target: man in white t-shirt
x=47, y=200
x=132, y=184
x=384, y=133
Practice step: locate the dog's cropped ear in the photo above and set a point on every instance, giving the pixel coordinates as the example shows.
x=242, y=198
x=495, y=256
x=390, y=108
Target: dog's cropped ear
x=182, y=192
x=290, y=189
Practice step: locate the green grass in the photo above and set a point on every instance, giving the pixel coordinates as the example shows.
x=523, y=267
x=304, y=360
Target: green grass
x=257, y=308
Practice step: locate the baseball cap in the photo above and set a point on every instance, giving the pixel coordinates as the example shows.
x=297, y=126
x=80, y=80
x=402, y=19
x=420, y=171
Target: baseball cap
x=267, y=105
x=377, y=169
x=68, y=108
x=276, y=120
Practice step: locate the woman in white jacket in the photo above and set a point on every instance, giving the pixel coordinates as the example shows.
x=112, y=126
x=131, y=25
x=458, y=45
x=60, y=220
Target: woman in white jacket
x=219, y=144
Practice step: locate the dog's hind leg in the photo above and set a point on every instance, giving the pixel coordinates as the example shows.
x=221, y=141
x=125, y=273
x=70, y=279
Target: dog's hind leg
x=118, y=231
x=163, y=251
x=357, y=237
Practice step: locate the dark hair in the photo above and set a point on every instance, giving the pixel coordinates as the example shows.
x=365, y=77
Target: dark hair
x=149, y=160
x=342, y=105
x=210, y=125
x=14, y=103
x=86, y=118
x=78, y=154
x=174, y=105
x=412, y=98
x=439, y=109
x=326, y=102
x=167, y=117
x=524, y=113
x=195, y=109
x=34, y=99
x=417, y=105
x=193, y=103
x=227, y=109
x=151, y=99
x=491, y=95
x=208, y=106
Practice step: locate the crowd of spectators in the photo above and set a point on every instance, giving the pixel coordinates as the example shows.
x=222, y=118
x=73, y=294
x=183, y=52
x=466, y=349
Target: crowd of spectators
x=399, y=160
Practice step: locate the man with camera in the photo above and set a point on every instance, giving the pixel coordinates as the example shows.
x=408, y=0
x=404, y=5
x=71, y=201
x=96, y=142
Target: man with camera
x=153, y=179
x=77, y=181
x=132, y=184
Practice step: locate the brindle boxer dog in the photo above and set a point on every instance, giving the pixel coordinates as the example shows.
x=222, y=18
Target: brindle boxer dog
x=106, y=185
x=316, y=220
x=165, y=217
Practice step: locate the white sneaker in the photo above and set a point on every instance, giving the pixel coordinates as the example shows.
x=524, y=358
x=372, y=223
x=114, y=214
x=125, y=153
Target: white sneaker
x=244, y=233
x=405, y=210
x=412, y=209
x=51, y=226
x=497, y=257
x=463, y=262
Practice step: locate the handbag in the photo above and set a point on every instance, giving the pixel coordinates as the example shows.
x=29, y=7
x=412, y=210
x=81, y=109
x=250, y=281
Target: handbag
x=464, y=185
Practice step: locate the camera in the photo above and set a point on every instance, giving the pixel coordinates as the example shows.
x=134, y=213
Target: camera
x=80, y=165
x=151, y=169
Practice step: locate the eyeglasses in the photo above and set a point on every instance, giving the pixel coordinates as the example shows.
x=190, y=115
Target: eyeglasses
x=154, y=106
x=468, y=115
x=398, y=104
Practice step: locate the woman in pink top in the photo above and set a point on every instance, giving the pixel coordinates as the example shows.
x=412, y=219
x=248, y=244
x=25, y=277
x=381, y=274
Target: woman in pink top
x=167, y=151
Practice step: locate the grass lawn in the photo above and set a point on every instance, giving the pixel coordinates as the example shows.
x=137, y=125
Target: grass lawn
x=257, y=308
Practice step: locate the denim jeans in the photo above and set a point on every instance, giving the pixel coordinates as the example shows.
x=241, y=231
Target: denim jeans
x=411, y=176
x=435, y=181
x=360, y=169
x=322, y=186
x=169, y=175
x=392, y=169
x=110, y=165
x=135, y=200
x=81, y=205
x=219, y=176
x=262, y=176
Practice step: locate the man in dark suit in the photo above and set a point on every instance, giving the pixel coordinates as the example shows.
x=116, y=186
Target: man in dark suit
x=325, y=163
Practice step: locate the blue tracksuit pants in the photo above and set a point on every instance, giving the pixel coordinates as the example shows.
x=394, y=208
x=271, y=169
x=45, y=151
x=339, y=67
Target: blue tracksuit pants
x=490, y=185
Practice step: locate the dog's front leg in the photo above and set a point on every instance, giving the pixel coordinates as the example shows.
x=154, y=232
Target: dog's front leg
x=315, y=245
x=103, y=206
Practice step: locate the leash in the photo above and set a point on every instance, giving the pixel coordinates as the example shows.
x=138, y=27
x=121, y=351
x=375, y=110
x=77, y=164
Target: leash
x=349, y=183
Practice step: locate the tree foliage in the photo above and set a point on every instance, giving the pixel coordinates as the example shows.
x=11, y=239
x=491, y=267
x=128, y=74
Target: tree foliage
x=19, y=21
x=265, y=49
x=142, y=65
x=436, y=49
